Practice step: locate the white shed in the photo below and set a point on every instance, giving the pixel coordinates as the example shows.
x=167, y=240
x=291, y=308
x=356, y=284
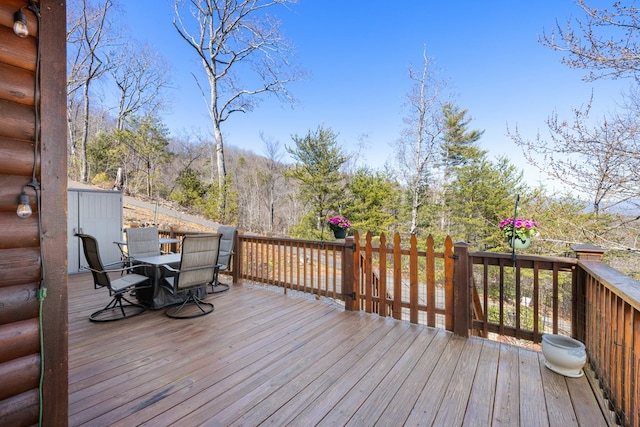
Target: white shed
x=98, y=213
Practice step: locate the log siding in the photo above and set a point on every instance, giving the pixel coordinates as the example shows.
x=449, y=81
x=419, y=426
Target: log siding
x=30, y=247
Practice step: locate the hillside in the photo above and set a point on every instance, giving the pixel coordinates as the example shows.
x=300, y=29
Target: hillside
x=139, y=211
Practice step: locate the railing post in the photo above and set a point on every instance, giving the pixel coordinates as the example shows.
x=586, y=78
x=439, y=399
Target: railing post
x=236, y=257
x=348, y=274
x=584, y=252
x=588, y=252
x=461, y=290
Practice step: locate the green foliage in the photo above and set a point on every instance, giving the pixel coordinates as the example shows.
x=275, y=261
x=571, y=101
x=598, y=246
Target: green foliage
x=318, y=165
x=101, y=180
x=459, y=144
x=483, y=194
x=526, y=316
x=102, y=157
x=146, y=139
x=212, y=203
x=190, y=188
x=372, y=203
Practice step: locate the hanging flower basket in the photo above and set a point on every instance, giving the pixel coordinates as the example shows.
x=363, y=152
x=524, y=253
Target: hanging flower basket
x=517, y=243
x=339, y=225
x=519, y=231
x=340, y=233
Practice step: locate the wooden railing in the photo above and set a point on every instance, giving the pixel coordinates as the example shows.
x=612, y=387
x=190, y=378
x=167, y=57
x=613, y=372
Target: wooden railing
x=466, y=292
x=608, y=317
x=522, y=298
x=410, y=284
x=315, y=267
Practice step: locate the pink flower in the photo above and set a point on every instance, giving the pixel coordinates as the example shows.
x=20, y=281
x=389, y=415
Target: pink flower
x=522, y=227
x=338, y=222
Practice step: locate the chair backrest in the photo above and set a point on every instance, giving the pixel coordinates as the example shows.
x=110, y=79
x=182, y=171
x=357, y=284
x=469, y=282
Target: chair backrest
x=142, y=242
x=92, y=254
x=227, y=241
x=198, y=260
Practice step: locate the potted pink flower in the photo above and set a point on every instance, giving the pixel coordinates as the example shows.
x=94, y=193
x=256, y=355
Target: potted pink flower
x=339, y=225
x=519, y=231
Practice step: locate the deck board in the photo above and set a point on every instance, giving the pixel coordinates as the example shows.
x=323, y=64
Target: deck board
x=479, y=409
x=265, y=358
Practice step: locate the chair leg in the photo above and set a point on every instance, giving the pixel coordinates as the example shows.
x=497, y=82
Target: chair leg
x=216, y=286
x=127, y=310
x=192, y=300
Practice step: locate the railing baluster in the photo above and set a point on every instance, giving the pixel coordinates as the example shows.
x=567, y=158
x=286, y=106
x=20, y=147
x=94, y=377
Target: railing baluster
x=430, y=276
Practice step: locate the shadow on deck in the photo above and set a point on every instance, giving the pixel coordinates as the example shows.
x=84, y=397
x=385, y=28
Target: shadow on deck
x=267, y=358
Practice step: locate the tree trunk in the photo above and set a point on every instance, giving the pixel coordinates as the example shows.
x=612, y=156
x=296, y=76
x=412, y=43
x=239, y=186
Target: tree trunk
x=222, y=171
x=415, y=203
x=119, y=181
x=84, y=171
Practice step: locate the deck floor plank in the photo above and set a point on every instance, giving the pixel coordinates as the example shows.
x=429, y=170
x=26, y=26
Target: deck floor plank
x=558, y=399
x=265, y=358
x=188, y=360
x=371, y=380
x=458, y=391
x=356, y=331
x=287, y=378
x=304, y=405
x=402, y=403
x=506, y=407
x=222, y=370
x=428, y=404
x=479, y=409
x=379, y=398
x=533, y=407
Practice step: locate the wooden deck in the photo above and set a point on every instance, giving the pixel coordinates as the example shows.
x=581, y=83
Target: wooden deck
x=264, y=358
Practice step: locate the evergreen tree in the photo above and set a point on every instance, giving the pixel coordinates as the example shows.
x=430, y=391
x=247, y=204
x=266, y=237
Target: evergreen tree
x=459, y=143
x=318, y=160
x=374, y=200
x=191, y=190
x=146, y=140
x=458, y=149
x=483, y=194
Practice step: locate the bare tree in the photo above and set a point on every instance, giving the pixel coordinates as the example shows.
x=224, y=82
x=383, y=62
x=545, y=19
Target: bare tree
x=89, y=39
x=236, y=39
x=601, y=160
x=605, y=41
x=140, y=75
x=417, y=152
x=272, y=178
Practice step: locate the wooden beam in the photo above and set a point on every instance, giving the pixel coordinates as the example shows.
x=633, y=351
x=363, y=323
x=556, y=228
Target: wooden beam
x=53, y=132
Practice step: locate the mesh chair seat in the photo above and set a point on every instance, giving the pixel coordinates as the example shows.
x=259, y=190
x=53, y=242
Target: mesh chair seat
x=198, y=263
x=119, y=307
x=227, y=241
x=142, y=242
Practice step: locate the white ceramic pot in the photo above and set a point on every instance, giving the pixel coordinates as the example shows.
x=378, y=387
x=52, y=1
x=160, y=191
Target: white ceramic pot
x=564, y=355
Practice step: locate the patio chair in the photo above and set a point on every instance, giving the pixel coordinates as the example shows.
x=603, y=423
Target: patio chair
x=142, y=242
x=227, y=242
x=116, y=309
x=198, y=263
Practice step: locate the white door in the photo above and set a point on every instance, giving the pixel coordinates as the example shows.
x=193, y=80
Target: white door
x=98, y=213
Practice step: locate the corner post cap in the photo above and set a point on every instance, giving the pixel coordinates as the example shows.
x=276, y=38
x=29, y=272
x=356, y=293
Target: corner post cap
x=588, y=252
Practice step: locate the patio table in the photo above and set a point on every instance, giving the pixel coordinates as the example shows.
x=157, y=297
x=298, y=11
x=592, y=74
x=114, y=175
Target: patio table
x=157, y=296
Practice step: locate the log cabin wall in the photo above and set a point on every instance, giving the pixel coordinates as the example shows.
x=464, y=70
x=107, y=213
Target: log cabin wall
x=33, y=250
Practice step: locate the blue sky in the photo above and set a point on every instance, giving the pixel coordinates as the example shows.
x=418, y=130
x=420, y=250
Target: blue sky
x=357, y=54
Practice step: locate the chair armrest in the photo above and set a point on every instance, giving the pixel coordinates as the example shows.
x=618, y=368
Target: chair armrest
x=169, y=269
x=112, y=270
x=192, y=269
